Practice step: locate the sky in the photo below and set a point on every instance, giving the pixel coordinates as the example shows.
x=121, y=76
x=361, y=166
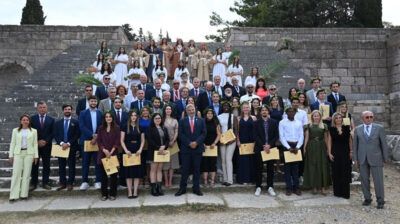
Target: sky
x=186, y=19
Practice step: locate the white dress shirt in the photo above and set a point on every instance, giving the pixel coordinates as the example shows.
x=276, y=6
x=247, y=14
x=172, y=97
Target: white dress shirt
x=291, y=131
x=300, y=115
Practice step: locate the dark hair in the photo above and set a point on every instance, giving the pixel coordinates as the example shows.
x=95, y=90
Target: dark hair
x=101, y=46
x=134, y=64
x=165, y=108
x=266, y=107
x=253, y=110
x=237, y=63
x=99, y=60
x=193, y=98
x=264, y=86
x=118, y=98
x=128, y=122
x=152, y=124
x=294, y=98
x=162, y=66
x=104, y=122
x=119, y=51
x=66, y=105
x=290, y=90
x=230, y=112
x=109, y=69
x=181, y=67
x=89, y=86
x=305, y=98
x=214, y=119
x=20, y=119
x=92, y=97
x=257, y=74
x=122, y=86
x=220, y=56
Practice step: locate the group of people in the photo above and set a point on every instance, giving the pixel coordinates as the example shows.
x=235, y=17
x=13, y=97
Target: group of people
x=147, y=120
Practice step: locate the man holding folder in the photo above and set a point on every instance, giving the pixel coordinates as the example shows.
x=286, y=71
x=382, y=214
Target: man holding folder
x=66, y=134
x=265, y=134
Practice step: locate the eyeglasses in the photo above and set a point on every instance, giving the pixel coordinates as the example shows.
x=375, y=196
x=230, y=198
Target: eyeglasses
x=250, y=87
x=272, y=89
x=177, y=83
x=369, y=117
x=106, y=78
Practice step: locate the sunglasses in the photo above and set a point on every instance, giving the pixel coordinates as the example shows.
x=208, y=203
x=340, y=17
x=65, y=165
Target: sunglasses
x=106, y=78
x=250, y=87
x=176, y=83
x=369, y=117
x=272, y=89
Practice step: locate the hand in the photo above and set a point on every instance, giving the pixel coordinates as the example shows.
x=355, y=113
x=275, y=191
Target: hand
x=328, y=119
x=128, y=153
x=331, y=157
x=237, y=143
x=42, y=143
x=212, y=146
x=171, y=144
x=11, y=160
x=351, y=155
x=267, y=147
x=266, y=150
x=138, y=152
x=304, y=152
x=35, y=161
x=193, y=145
x=106, y=152
x=65, y=146
x=162, y=148
x=356, y=163
x=384, y=164
x=93, y=141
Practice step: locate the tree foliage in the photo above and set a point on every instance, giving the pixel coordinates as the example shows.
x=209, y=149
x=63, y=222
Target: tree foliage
x=140, y=36
x=222, y=33
x=32, y=13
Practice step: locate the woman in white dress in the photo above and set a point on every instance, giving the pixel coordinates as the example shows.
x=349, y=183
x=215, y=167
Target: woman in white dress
x=252, y=77
x=219, y=66
x=135, y=72
x=107, y=70
x=179, y=70
x=160, y=69
x=105, y=51
x=164, y=85
x=234, y=70
x=97, y=65
x=121, y=68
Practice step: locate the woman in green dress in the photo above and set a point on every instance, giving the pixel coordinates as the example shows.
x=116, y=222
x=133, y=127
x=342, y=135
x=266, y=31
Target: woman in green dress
x=316, y=168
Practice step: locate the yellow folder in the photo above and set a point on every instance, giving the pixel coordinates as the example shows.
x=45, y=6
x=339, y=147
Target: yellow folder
x=210, y=152
x=56, y=151
x=110, y=165
x=346, y=121
x=324, y=109
x=309, y=118
x=227, y=136
x=272, y=155
x=291, y=157
x=134, y=160
x=161, y=158
x=174, y=149
x=246, y=149
x=90, y=148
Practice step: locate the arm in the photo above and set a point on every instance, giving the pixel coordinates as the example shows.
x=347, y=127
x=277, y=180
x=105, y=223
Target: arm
x=351, y=147
x=275, y=134
x=122, y=140
x=355, y=147
x=57, y=135
x=282, y=137
x=301, y=137
x=218, y=135
x=384, y=146
x=329, y=146
x=202, y=136
x=49, y=137
x=306, y=141
x=13, y=143
x=100, y=142
x=35, y=146
x=116, y=141
x=257, y=135
x=84, y=130
x=236, y=128
x=182, y=137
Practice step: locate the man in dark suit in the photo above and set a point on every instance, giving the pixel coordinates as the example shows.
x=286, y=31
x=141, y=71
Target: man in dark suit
x=237, y=91
x=141, y=102
x=228, y=94
x=43, y=123
x=83, y=103
x=204, y=101
x=175, y=91
x=196, y=91
x=321, y=94
x=192, y=132
x=272, y=92
x=102, y=91
x=180, y=105
x=334, y=98
x=143, y=83
x=301, y=86
x=265, y=134
x=66, y=134
x=89, y=121
x=217, y=86
x=157, y=91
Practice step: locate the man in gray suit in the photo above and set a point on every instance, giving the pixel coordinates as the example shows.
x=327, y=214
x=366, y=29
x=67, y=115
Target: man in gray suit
x=105, y=105
x=312, y=93
x=370, y=155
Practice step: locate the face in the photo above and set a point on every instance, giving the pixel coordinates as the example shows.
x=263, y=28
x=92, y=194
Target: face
x=228, y=92
x=295, y=103
x=121, y=91
x=157, y=84
x=209, y=86
x=185, y=93
x=226, y=108
x=117, y=104
x=235, y=82
x=343, y=108
x=217, y=80
x=301, y=84
x=67, y=111
x=108, y=118
x=338, y=120
x=196, y=83
x=122, y=50
x=293, y=92
x=302, y=98
x=236, y=60
x=176, y=84
x=133, y=117
x=162, y=78
x=228, y=48
x=143, y=79
x=254, y=71
x=166, y=96
x=210, y=115
x=25, y=121
x=190, y=111
x=290, y=113
x=134, y=87
x=264, y=112
x=272, y=90
x=215, y=98
x=219, y=51
x=184, y=77
x=168, y=111
x=106, y=80
x=136, y=64
x=145, y=112
x=140, y=94
x=368, y=118
x=316, y=117
x=235, y=103
x=42, y=109
x=260, y=83
x=88, y=91
x=92, y=103
x=321, y=96
x=181, y=63
x=156, y=104
x=255, y=104
x=315, y=84
x=190, y=101
x=250, y=88
x=335, y=88
x=112, y=93
x=104, y=44
x=274, y=101
x=159, y=63
x=245, y=108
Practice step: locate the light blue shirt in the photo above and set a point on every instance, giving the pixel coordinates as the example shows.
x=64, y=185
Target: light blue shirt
x=216, y=108
x=93, y=115
x=368, y=132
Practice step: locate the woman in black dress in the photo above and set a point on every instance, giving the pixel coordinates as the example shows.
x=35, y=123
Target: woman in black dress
x=209, y=164
x=340, y=153
x=132, y=141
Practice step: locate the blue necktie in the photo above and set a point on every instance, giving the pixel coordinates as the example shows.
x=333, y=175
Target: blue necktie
x=336, y=98
x=366, y=132
x=66, y=130
x=209, y=100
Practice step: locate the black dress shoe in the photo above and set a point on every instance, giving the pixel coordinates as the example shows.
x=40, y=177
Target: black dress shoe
x=380, y=205
x=367, y=202
x=180, y=192
x=198, y=193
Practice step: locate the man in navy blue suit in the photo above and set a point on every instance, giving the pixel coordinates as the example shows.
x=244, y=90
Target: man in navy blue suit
x=321, y=94
x=143, y=83
x=196, y=91
x=43, y=123
x=192, y=132
x=66, y=134
x=204, y=101
x=141, y=102
x=335, y=97
x=175, y=91
x=89, y=121
x=102, y=91
x=83, y=103
x=157, y=91
x=180, y=104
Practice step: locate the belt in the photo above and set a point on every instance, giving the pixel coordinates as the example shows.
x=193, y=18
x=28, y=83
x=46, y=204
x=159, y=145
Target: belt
x=24, y=149
x=292, y=143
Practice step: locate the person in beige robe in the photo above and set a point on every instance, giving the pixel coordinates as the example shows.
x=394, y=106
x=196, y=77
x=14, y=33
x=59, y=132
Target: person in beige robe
x=203, y=57
x=167, y=54
x=138, y=53
x=191, y=65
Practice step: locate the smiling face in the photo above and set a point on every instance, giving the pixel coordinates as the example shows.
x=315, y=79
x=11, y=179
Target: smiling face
x=157, y=120
x=24, y=121
x=168, y=111
x=316, y=118
x=67, y=111
x=108, y=118
x=133, y=117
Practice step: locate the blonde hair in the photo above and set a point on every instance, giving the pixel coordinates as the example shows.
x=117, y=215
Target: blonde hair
x=339, y=110
x=334, y=118
x=320, y=125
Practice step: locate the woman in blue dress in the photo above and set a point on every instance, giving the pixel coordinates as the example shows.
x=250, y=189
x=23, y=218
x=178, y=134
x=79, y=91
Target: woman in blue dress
x=144, y=123
x=132, y=142
x=246, y=169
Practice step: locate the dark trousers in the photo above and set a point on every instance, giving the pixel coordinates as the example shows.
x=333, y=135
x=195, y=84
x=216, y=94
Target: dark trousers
x=191, y=162
x=259, y=169
x=104, y=183
x=44, y=153
x=121, y=174
x=86, y=157
x=292, y=175
x=62, y=163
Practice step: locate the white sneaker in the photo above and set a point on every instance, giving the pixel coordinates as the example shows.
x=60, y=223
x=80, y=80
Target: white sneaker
x=271, y=191
x=84, y=186
x=258, y=191
x=97, y=185
x=123, y=187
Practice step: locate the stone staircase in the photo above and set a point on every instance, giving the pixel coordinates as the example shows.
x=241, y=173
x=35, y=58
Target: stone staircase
x=54, y=84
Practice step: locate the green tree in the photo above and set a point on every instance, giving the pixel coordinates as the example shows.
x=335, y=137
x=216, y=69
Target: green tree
x=160, y=35
x=217, y=21
x=149, y=35
x=168, y=38
x=368, y=13
x=32, y=13
x=129, y=32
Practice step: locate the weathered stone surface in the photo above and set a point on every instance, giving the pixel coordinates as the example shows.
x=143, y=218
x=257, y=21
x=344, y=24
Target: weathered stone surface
x=120, y=202
x=71, y=203
x=394, y=146
x=164, y=200
x=294, y=197
x=236, y=200
x=208, y=199
x=322, y=201
x=30, y=205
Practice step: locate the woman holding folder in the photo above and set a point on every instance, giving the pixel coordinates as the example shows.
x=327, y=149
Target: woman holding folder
x=171, y=124
x=158, y=140
x=316, y=168
x=108, y=140
x=209, y=163
x=132, y=142
x=244, y=135
x=23, y=152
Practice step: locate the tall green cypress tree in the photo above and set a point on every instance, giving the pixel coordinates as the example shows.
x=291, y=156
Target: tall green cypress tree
x=368, y=13
x=32, y=13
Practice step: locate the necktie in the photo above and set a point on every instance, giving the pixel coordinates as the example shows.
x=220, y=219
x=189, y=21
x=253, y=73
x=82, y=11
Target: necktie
x=118, y=117
x=336, y=97
x=367, y=132
x=196, y=93
x=209, y=99
x=158, y=92
x=176, y=95
x=191, y=125
x=237, y=89
x=184, y=103
x=140, y=105
x=66, y=130
x=41, y=121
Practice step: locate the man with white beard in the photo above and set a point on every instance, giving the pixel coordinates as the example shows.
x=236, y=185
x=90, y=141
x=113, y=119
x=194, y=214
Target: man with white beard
x=227, y=94
x=185, y=81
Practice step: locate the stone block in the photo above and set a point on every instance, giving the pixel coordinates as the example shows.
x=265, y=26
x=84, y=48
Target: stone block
x=207, y=199
x=71, y=203
x=237, y=200
x=355, y=53
x=323, y=201
x=339, y=72
x=164, y=200
x=30, y=205
x=120, y=202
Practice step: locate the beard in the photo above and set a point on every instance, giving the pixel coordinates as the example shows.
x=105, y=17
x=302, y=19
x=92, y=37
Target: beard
x=228, y=95
x=67, y=114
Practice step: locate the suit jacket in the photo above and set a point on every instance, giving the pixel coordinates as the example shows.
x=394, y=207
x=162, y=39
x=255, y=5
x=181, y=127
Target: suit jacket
x=124, y=118
x=148, y=86
x=31, y=143
x=135, y=104
x=259, y=134
x=219, y=111
x=101, y=93
x=172, y=91
x=185, y=136
x=81, y=106
x=303, y=91
x=105, y=105
x=154, y=140
x=310, y=96
x=315, y=106
x=192, y=93
x=179, y=108
x=267, y=98
x=242, y=91
x=150, y=93
x=45, y=133
x=373, y=150
x=202, y=101
x=220, y=91
x=332, y=100
x=73, y=132
x=85, y=124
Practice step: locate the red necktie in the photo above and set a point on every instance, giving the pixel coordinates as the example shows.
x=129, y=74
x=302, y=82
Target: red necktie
x=191, y=125
x=41, y=121
x=176, y=95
